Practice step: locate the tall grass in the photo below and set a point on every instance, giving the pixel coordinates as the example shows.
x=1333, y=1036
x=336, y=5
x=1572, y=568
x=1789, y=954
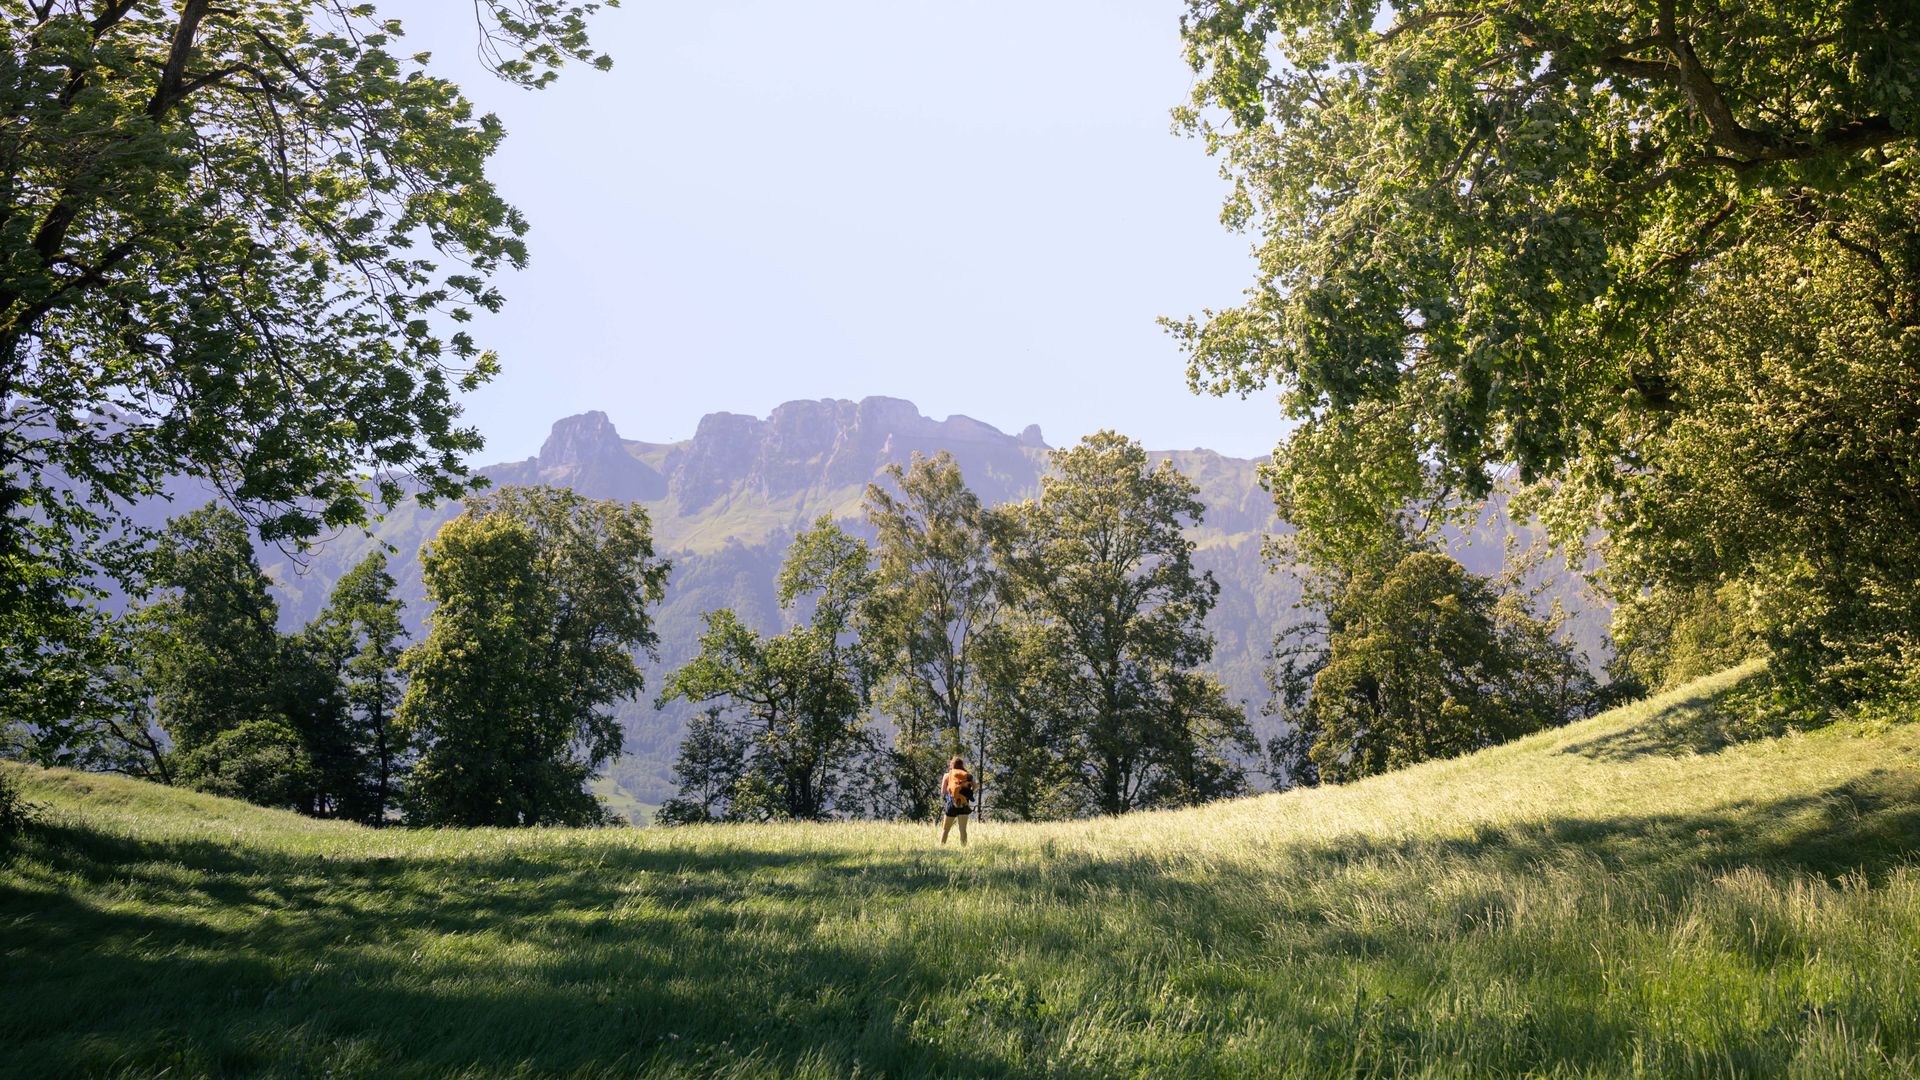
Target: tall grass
x=1628, y=896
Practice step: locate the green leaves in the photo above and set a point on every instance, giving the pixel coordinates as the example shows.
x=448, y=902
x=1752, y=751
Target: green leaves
x=249, y=712
x=528, y=41
x=786, y=727
x=541, y=597
x=357, y=639
x=1414, y=659
x=1445, y=201
x=230, y=239
x=1501, y=241
x=1099, y=569
x=935, y=597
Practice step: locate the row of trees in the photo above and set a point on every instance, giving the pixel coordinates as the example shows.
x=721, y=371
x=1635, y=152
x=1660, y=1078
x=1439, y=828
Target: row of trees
x=1058, y=641
x=1054, y=641
x=499, y=716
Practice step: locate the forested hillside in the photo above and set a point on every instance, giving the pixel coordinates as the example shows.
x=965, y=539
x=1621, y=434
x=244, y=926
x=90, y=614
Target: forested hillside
x=726, y=503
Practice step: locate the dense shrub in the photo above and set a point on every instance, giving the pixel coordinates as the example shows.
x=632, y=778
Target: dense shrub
x=15, y=811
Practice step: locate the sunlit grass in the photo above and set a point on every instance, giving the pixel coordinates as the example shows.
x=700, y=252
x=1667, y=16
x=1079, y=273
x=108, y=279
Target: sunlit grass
x=1621, y=897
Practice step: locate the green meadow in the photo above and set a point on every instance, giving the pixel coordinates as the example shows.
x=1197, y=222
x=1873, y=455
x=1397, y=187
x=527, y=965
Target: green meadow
x=1642, y=894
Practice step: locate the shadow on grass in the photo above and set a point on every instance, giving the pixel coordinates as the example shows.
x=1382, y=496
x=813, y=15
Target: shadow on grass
x=141, y=957
x=1864, y=828
x=1704, y=723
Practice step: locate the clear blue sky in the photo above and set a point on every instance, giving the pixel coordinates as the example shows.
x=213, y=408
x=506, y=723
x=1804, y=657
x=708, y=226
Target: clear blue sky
x=979, y=207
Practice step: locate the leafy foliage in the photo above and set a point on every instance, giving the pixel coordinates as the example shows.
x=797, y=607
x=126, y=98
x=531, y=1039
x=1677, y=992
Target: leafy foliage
x=1102, y=567
x=934, y=598
x=541, y=598
x=785, y=735
x=1415, y=658
x=1664, y=636
x=1031, y=774
x=357, y=639
x=16, y=813
x=238, y=242
x=1662, y=256
x=249, y=713
x=1785, y=488
x=70, y=697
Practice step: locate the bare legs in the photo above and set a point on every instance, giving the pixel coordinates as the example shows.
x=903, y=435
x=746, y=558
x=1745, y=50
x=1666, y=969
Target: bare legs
x=946, y=826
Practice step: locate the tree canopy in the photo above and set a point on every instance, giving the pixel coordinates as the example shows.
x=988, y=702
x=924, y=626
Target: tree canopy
x=934, y=598
x=242, y=242
x=238, y=701
x=1479, y=211
x=1412, y=658
x=541, y=599
x=785, y=733
x=357, y=640
x=1103, y=571
x=1528, y=240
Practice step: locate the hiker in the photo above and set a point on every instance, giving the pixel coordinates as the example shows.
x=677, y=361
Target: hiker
x=956, y=793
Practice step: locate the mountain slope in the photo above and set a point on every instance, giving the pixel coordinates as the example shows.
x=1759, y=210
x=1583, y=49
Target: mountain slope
x=726, y=502
x=1599, y=900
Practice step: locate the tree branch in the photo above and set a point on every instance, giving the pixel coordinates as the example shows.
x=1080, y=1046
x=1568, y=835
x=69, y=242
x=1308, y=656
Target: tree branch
x=1725, y=130
x=172, y=86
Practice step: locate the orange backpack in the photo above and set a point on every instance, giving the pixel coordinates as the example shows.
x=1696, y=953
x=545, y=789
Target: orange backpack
x=959, y=787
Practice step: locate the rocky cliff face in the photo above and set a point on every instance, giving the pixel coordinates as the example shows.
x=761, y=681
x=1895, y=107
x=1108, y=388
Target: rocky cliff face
x=811, y=447
x=586, y=454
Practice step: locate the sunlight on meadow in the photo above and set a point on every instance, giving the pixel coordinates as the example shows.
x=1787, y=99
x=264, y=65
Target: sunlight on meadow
x=1409, y=565
x=1596, y=900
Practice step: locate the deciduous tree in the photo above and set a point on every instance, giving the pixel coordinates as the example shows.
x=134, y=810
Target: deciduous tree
x=1102, y=560
x=786, y=729
x=541, y=599
x=934, y=596
x=1663, y=256
x=239, y=242
x=245, y=709
x=1414, y=658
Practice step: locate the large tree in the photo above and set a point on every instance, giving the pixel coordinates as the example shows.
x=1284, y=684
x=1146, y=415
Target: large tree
x=934, y=598
x=1101, y=559
x=541, y=599
x=73, y=699
x=248, y=711
x=784, y=734
x=239, y=242
x=357, y=639
x=1412, y=657
x=1523, y=238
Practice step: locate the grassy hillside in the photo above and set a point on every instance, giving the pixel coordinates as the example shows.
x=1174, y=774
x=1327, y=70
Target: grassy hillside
x=1626, y=896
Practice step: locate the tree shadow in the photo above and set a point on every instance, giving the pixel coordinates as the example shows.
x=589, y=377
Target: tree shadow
x=332, y=948
x=1704, y=723
x=591, y=958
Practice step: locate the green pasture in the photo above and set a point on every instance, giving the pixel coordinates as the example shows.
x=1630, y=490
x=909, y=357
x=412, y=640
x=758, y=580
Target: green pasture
x=1641, y=894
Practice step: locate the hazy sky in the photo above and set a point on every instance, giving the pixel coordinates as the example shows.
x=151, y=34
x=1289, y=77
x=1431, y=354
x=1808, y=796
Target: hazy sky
x=978, y=207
